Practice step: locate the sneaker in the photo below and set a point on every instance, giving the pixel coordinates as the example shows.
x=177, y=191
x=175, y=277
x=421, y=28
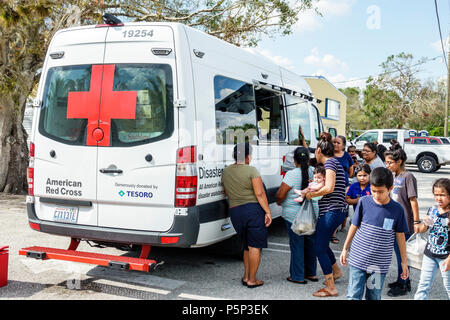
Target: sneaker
x=396, y=291
x=394, y=284
x=408, y=285
x=397, y=283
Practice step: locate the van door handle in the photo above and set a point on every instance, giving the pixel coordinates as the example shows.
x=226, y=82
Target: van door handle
x=111, y=171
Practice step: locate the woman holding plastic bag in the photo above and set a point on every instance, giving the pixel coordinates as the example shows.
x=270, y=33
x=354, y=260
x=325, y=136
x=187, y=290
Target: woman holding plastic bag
x=437, y=250
x=303, y=262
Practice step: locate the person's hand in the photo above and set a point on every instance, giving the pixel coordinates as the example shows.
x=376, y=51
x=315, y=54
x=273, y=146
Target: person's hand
x=343, y=257
x=417, y=228
x=308, y=196
x=405, y=271
x=268, y=219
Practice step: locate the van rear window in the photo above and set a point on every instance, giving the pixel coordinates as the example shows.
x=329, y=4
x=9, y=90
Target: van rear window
x=152, y=111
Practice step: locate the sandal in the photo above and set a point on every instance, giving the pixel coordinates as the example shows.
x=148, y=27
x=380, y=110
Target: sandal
x=322, y=293
x=295, y=281
x=257, y=284
x=313, y=279
x=244, y=283
x=334, y=240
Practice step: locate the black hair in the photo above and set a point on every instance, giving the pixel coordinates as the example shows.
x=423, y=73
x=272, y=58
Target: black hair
x=397, y=154
x=371, y=145
x=320, y=168
x=380, y=151
x=363, y=167
x=344, y=141
x=348, y=148
x=443, y=183
x=242, y=151
x=326, y=144
x=380, y=177
x=301, y=157
x=313, y=162
x=394, y=145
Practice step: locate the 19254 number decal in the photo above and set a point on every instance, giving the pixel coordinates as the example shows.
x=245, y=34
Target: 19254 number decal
x=137, y=33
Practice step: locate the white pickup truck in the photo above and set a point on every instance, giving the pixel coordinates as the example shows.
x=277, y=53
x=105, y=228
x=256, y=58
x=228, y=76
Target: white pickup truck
x=429, y=153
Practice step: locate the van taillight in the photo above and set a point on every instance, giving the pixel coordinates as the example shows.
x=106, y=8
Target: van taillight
x=186, y=177
x=31, y=170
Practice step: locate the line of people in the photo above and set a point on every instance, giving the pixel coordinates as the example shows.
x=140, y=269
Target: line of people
x=383, y=196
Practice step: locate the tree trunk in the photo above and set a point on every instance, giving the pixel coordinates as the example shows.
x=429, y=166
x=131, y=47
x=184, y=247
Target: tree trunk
x=13, y=146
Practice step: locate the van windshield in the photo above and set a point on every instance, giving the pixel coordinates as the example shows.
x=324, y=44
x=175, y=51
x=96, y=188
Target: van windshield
x=152, y=118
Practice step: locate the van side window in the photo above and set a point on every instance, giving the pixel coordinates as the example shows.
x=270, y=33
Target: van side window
x=235, y=110
x=316, y=124
x=298, y=115
x=53, y=121
x=269, y=115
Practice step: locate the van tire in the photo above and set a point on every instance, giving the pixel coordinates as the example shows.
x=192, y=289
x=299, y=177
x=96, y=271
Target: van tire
x=427, y=164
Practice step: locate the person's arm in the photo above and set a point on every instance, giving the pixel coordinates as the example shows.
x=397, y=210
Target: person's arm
x=351, y=201
x=446, y=264
x=302, y=137
x=282, y=193
x=348, y=241
x=260, y=194
x=330, y=181
x=402, y=246
x=415, y=210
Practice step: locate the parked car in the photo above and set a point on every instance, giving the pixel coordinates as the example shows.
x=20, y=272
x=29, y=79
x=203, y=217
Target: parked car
x=429, y=153
x=426, y=140
x=382, y=136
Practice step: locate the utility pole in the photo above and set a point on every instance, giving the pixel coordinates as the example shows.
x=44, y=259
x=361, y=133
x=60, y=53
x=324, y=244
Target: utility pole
x=448, y=94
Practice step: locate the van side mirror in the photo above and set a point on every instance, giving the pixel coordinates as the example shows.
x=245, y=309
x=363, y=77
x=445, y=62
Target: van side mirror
x=333, y=132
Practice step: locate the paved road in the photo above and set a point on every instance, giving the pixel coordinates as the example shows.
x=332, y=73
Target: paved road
x=188, y=274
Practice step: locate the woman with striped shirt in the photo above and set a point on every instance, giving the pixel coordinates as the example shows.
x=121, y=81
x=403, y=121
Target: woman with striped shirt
x=331, y=213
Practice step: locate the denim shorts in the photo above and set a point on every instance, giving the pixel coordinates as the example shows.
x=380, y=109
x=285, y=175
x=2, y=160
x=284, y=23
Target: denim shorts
x=248, y=221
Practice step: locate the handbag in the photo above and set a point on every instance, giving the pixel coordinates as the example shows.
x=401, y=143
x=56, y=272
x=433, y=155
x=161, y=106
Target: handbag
x=415, y=247
x=305, y=220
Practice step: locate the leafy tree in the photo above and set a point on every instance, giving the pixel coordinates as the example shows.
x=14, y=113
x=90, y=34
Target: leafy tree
x=26, y=27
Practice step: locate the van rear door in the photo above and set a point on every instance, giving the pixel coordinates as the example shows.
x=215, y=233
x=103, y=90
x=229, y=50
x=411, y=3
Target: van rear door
x=65, y=166
x=136, y=158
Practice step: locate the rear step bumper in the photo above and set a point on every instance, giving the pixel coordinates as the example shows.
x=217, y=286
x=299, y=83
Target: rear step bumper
x=112, y=261
x=185, y=227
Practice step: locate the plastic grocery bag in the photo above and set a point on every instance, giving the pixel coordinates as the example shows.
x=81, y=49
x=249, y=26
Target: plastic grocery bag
x=415, y=247
x=305, y=220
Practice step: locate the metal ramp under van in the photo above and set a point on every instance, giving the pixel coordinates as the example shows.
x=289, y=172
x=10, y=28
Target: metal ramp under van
x=106, y=260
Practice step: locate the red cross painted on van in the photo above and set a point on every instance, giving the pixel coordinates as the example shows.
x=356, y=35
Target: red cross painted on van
x=100, y=105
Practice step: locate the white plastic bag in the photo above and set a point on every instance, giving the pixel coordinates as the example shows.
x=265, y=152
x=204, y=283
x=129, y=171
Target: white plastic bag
x=305, y=220
x=415, y=247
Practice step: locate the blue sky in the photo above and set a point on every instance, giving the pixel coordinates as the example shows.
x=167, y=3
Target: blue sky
x=354, y=37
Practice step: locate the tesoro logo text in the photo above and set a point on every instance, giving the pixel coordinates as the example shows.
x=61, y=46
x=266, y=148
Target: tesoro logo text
x=136, y=194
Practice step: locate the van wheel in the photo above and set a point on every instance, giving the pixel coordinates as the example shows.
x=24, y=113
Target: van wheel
x=427, y=164
x=437, y=167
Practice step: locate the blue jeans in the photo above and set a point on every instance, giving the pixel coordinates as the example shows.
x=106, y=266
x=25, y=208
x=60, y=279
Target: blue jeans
x=326, y=225
x=399, y=259
x=303, y=258
x=430, y=266
x=360, y=280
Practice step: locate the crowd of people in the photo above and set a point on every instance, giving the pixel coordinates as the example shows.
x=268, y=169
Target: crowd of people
x=377, y=190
